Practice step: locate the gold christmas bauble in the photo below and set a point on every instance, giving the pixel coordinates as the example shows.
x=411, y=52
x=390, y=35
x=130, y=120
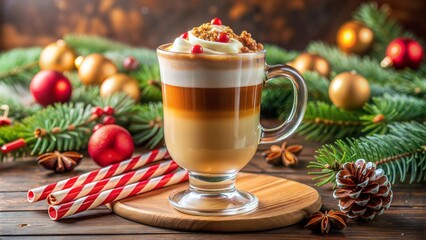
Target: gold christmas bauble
x=354, y=37
x=95, y=68
x=311, y=62
x=57, y=56
x=349, y=90
x=120, y=83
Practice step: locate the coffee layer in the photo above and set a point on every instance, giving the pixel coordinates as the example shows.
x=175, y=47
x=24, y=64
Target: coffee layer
x=211, y=145
x=214, y=101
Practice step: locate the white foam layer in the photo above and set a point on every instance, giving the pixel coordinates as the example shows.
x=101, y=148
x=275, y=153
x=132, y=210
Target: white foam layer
x=211, y=78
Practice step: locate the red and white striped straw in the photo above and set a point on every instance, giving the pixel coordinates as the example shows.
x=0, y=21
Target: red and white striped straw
x=40, y=193
x=89, y=202
x=74, y=193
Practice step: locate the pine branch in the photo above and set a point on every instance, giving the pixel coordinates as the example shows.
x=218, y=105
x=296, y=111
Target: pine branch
x=147, y=125
x=122, y=105
x=85, y=94
x=277, y=55
x=276, y=100
x=143, y=55
x=389, y=109
x=148, y=77
x=66, y=127
x=385, y=28
x=400, y=153
x=86, y=44
x=277, y=97
x=406, y=81
x=18, y=66
x=341, y=62
x=324, y=122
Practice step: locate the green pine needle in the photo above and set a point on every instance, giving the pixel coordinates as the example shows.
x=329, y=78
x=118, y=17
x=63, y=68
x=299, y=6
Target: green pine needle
x=148, y=77
x=18, y=66
x=86, y=44
x=401, y=153
x=325, y=122
x=147, y=125
x=391, y=108
x=384, y=27
x=142, y=55
x=277, y=55
x=342, y=62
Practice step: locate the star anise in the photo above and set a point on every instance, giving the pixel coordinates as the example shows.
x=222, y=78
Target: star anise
x=284, y=155
x=60, y=162
x=324, y=222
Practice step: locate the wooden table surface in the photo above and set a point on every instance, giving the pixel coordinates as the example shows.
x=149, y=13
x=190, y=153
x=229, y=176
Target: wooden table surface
x=406, y=219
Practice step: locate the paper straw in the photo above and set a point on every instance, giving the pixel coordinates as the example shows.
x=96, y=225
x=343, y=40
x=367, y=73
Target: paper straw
x=74, y=193
x=41, y=193
x=91, y=201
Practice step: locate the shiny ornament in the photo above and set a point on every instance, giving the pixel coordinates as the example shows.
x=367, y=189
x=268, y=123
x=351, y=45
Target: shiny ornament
x=311, y=62
x=48, y=87
x=57, y=56
x=354, y=37
x=110, y=144
x=349, y=90
x=78, y=61
x=95, y=68
x=120, y=83
x=402, y=53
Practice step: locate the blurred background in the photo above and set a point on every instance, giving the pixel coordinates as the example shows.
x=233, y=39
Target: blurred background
x=290, y=24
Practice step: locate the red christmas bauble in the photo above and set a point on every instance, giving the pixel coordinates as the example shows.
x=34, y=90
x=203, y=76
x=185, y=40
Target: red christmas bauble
x=402, y=53
x=48, y=87
x=110, y=144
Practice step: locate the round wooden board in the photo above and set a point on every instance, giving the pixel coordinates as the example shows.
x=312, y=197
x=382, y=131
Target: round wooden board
x=281, y=203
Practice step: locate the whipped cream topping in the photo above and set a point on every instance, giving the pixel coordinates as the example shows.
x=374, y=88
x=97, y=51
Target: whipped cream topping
x=184, y=45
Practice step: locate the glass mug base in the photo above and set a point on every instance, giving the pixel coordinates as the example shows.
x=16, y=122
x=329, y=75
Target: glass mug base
x=213, y=195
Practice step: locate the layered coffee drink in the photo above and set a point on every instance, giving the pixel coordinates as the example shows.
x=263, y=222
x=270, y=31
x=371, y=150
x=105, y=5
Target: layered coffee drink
x=212, y=82
x=211, y=99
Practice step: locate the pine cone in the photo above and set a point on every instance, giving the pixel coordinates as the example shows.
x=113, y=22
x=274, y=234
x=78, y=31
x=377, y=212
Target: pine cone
x=363, y=191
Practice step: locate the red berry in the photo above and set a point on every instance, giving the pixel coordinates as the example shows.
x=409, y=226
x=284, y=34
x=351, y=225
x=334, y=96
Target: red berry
x=197, y=49
x=108, y=120
x=223, y=38
x=184, y=35
x=97, y=111
x=130, y=63
x=216, y=21
x=108, y=110
x=97, y=126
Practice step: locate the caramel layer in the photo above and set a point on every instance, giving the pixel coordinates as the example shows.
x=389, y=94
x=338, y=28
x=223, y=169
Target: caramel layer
x=213, y=101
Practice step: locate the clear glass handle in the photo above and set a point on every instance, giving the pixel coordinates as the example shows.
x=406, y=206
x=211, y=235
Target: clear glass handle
x=272, y=135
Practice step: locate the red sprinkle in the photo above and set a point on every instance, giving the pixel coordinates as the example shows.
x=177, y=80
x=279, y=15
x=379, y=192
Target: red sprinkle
x=184, y=35
x=197, y=49
x=216, y=21
x=223, y=38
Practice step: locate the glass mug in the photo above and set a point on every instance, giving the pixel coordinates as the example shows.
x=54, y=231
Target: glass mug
x=211, y=106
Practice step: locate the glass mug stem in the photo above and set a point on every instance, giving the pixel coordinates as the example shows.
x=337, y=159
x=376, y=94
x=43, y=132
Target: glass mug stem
x=211, y=106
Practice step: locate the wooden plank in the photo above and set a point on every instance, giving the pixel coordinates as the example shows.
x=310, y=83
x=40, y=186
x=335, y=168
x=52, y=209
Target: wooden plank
x=409, y=223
